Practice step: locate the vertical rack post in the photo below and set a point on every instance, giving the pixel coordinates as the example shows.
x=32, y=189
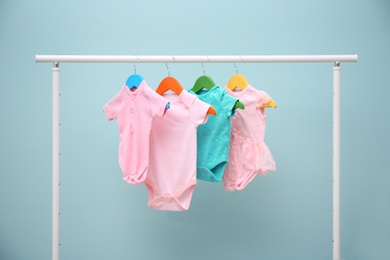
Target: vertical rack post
x=336, y=161
x=56, y=162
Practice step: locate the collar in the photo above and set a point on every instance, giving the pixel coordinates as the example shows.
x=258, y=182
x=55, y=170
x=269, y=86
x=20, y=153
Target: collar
x=238, y=93
x=138, y=91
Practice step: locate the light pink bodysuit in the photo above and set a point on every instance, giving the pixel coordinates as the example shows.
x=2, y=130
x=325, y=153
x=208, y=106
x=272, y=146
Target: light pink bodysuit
x=172, y=165
x=134, y=112
x=248, y=154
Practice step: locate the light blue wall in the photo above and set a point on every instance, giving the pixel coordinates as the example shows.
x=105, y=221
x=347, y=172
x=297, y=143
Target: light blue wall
x=285, y=215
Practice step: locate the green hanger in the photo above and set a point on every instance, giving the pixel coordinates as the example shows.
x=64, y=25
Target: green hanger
x=203, y=82
x=239, y=104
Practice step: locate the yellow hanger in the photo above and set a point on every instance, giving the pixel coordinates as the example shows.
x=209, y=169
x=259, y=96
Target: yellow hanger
x=237, y=81
x=240, y=82
x=270, y=103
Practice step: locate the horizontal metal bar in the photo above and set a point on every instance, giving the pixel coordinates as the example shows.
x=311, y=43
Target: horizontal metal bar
x=194, y=58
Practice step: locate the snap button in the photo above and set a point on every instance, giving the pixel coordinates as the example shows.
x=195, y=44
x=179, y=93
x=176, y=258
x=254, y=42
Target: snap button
x=167, y=198
x=134, y=98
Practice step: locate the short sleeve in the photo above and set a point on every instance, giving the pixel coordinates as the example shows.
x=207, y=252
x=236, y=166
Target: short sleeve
x=199, y=110
x=157, y=103
x=112, y=107
x=228, y=102
x=262, y=98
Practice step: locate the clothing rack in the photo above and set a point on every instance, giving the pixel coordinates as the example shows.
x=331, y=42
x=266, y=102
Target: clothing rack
x=56, y=59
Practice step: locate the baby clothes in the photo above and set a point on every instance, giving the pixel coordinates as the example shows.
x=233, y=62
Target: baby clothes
x=248, y=154
x=213, y=138
x=134, y=112
x=172, y=166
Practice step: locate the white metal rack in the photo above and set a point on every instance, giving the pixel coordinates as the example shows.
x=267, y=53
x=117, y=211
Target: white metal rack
x=56, y=59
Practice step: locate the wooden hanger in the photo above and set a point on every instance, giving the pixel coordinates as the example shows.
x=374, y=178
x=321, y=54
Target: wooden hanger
x=170, y=83
x=270, y=103
x=237, y=81
x=239, y=104
x=203, y=82
x=134, y=81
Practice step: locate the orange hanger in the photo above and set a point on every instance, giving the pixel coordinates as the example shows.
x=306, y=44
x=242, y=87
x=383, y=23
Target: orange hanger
x=170, y=83
x=211, y=111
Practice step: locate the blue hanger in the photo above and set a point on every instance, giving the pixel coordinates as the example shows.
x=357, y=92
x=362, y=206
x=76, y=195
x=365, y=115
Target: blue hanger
x=134, y=81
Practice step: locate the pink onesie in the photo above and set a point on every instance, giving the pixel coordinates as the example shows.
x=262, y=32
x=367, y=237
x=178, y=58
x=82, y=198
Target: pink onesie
x=172, y=166
x=248, y=154
x=134, y=112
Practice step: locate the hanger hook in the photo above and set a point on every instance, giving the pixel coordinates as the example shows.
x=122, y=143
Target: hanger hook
x=135, y=68
x=169, y=71
x=204, y=70
x=236, y=68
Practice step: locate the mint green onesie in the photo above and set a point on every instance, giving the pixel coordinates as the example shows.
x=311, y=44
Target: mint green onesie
x=213, y=138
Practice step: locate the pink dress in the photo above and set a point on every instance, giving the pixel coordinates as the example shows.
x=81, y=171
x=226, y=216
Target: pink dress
x=248, y=155
x=134, y=112
x=172, y=169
